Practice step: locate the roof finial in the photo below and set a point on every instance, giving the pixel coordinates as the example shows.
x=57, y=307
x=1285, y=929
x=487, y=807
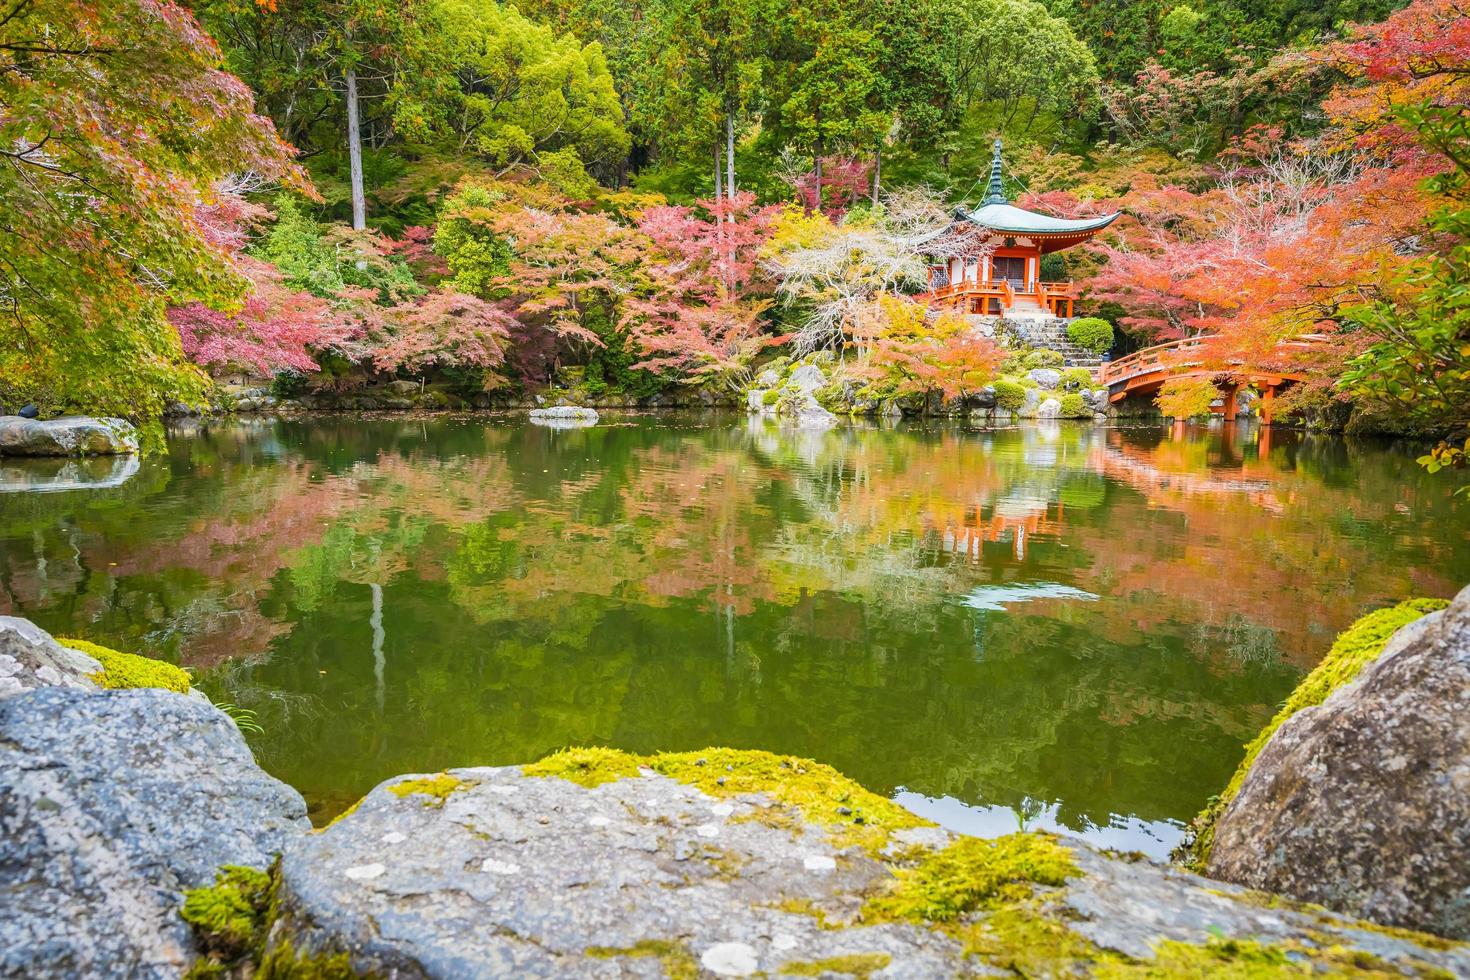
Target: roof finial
x=995, y=192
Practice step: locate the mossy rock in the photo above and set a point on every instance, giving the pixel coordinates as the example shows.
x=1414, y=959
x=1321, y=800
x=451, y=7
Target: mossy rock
x=127, y=670
x=1355, y=648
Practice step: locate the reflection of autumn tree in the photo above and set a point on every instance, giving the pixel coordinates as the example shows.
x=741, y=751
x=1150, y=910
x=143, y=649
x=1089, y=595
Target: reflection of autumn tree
x=446, y=592
x=189, y=582
x=1237, y=544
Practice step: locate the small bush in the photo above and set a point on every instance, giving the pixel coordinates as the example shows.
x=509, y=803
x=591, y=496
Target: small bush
x=1091, y=332
x=1073, y=407
x=1043, y=358
x=771, y=396
x=1009, y=394
x=1076, y=379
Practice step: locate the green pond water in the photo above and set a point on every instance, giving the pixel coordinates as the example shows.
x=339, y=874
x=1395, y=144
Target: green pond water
x=1060, y=625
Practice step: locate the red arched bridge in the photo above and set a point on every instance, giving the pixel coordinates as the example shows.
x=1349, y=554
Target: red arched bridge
x=1144, y=372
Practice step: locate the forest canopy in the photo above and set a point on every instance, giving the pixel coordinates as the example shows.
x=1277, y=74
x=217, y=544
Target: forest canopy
x=672, y=192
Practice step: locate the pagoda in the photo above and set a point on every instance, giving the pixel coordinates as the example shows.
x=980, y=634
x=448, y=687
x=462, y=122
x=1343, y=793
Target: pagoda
x=998, y=269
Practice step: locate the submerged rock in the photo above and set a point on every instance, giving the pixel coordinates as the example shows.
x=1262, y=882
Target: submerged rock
x=1362, y=803
x=73, y=436
x=111, y=804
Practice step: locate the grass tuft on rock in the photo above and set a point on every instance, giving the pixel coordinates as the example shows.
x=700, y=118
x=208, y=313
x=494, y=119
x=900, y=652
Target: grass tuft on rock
x=128, y=670
x=1355, y=648
x=972, y=874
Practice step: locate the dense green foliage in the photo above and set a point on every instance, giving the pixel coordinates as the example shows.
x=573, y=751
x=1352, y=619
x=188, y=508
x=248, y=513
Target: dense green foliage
x=621, y=196
x=1093, y=333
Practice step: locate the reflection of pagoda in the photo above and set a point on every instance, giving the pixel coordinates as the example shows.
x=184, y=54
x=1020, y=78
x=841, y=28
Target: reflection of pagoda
x=1001, y=274
x=1018, y=515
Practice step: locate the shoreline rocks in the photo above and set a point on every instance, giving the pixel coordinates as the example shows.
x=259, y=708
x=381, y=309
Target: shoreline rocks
x=589, y=863
x=69, y=436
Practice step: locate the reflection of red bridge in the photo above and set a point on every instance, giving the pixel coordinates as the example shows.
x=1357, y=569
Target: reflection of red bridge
x=1145, y=371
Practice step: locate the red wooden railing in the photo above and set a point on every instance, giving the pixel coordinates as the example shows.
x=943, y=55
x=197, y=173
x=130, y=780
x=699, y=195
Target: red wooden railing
x=1046, y=293
x=1151, y=359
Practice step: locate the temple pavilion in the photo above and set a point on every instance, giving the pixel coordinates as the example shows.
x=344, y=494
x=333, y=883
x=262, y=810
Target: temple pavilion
x=1001, y=275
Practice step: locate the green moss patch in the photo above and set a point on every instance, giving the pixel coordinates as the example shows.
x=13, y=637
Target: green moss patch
x=1355, y=648
x=124, y=670
x=436, y=788
x=231, y=917
x=823, y=795
x=861, y=965
x=284, y=963
x=675, y=958
x=971, y=874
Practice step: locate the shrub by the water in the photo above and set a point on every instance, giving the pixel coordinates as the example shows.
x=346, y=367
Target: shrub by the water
x=1091, y=332
x=1073, y=407
x=1077, y=378
x=1009, y=394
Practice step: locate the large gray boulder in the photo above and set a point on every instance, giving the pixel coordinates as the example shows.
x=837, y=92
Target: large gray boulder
x=1362, y=803
x=488, y=872
x=1049, y=409
x=807, y=378
x=72, y=436
x=564, y=417
x=111, y=804
x=1045, y=378
x=31, y=659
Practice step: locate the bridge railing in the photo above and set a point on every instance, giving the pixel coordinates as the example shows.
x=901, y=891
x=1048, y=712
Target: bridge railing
x=1167, y=355
x=1143, y=361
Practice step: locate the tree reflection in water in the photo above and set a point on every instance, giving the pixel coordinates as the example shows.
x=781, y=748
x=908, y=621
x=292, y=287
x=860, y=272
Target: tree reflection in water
x=1088, y=621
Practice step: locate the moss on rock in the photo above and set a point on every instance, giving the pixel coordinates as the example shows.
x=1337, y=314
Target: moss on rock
x=125, y=670
x=436, y=788
x=1355, y=648
x=973, y=873
x=231, y=917
x=675, y=958
x=822, y=795
x=862, y=965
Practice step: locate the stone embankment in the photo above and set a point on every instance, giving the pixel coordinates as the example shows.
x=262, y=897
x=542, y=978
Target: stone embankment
x=139, y=838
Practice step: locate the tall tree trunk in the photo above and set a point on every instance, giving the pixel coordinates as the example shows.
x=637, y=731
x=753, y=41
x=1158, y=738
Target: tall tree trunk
x=719, y=219
x=817, y=171
x=354, y=152
x=877, y=170
x=730, y=155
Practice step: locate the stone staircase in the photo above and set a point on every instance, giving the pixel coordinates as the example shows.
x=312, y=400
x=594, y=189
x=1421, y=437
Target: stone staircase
x=1051, y=332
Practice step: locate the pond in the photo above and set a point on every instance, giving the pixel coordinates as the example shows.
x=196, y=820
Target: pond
x=1053, y=625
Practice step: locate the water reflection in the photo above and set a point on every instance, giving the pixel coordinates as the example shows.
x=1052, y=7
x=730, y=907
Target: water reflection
x=1093, y=617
